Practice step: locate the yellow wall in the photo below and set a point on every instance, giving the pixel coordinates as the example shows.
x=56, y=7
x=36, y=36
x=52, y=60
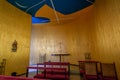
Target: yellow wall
x=74, y=36
x=14, y=25
x=95, y=30
x=106, y=32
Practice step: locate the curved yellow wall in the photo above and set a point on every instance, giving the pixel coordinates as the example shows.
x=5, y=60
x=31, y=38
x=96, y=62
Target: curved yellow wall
x=106, y=32
x=74, y=36
x=96, y=31
x=14, y=25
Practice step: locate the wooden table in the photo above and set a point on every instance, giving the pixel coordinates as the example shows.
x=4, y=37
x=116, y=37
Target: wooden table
x=60, y=55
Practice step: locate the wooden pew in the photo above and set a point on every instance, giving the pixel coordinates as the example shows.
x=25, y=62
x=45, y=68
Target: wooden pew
x=52, y=70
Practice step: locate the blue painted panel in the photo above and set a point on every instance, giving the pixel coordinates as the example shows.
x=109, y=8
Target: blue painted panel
x=69, y=6
x=38, y=20
x=29, y=6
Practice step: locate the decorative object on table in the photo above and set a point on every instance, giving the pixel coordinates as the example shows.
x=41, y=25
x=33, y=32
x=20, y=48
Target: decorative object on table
x=14, y=46
x=88, y=56
x=61, y=51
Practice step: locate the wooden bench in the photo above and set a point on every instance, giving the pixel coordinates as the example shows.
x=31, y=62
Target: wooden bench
x=52, y=70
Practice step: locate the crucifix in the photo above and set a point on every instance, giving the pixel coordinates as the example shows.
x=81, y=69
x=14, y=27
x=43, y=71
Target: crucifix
x=60, y=54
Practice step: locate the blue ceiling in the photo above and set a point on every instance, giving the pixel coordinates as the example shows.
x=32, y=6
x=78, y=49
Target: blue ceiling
x=65, y=7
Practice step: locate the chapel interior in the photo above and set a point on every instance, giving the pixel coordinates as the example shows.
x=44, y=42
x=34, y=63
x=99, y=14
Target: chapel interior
x=90, y=32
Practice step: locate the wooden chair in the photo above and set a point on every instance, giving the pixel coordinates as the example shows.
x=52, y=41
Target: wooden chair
x=81, y=68
x=108, y=71
x=91, y=70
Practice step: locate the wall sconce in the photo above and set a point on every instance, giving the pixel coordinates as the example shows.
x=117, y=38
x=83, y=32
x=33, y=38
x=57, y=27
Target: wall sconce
x=14, y=46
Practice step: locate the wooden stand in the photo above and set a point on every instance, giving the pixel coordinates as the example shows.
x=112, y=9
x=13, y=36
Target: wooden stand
x=60, y=55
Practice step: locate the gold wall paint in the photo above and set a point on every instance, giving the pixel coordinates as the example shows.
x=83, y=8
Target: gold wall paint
x=106, y=32
x=96, y=31
x=14, y=25
x=74, y=36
